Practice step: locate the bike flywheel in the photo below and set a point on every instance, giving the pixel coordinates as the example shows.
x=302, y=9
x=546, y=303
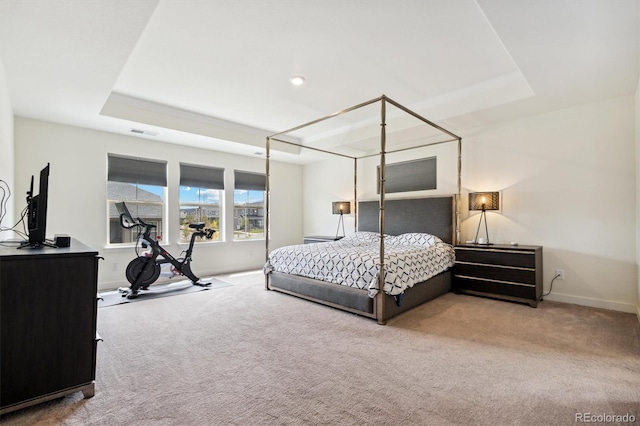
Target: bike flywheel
x=137, y=267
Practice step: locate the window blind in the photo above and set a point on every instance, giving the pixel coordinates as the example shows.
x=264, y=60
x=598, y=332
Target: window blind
x=201, y=176
x=136, y=170
x=250, y=181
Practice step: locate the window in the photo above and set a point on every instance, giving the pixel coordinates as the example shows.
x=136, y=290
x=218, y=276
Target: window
x=201, y=192
x=248, y=205
x=141, y=184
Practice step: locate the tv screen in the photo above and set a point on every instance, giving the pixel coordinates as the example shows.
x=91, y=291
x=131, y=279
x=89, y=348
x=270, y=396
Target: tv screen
x=37, y=211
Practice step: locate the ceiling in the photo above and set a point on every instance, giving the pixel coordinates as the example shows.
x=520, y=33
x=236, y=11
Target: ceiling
x=215, y=74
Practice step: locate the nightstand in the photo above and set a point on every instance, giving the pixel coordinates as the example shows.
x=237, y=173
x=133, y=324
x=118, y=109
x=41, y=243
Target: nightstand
x=320, y=239
x=506, y=272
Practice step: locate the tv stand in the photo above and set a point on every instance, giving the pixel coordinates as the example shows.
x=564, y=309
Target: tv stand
x=48, y=313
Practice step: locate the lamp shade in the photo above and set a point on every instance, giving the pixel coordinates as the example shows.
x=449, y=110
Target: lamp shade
x=484, y=201
x=341, y=207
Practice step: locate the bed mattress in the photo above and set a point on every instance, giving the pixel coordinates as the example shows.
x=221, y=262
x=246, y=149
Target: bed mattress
x=354, y=261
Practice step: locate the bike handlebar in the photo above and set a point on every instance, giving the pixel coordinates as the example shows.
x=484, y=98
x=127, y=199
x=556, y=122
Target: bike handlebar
x=125, y=222
x=206, y=232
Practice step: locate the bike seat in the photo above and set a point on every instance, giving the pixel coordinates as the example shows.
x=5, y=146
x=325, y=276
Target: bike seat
x=196, y=225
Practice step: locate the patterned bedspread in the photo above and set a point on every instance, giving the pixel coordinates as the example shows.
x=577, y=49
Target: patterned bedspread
x=354, y=261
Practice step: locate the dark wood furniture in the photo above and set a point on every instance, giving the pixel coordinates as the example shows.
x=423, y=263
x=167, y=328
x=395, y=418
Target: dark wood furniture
x=320, y=239
x=48, y=307
x=500, y=271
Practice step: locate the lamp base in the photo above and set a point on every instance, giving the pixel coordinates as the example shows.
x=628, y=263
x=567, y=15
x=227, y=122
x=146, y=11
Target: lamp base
x=340, y=222
x=482, y=241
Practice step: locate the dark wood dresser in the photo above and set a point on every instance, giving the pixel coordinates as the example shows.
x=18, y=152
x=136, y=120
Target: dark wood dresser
x=500, y=271
x=48, y=308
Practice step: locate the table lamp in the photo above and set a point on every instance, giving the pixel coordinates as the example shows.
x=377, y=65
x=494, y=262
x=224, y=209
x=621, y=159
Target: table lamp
x=341, y=207
x=483, y=201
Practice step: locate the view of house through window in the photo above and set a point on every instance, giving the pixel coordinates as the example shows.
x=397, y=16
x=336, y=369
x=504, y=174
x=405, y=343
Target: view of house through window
x=248, y=214
x=199, y=205
x=201, y=192
x=141, y=185
x=248, y=205
x=143, y=201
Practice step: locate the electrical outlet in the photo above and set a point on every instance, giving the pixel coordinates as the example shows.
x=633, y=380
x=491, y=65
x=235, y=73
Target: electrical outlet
x=560, y=274
x=115, y=267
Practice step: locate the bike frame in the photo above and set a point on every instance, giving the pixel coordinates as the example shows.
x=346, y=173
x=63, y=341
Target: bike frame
x=182, y=267
x=158, y=250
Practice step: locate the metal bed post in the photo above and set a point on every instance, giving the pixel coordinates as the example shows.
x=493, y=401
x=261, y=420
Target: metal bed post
x=458, y=198
x=383, y=146
x=355, y=193
x=268, y=209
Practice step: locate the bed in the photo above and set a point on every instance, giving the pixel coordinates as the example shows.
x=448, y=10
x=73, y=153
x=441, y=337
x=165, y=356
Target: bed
x=428, y=224
x=345, y=274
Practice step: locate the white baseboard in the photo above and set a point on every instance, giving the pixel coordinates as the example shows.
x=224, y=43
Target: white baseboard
x=595, y=303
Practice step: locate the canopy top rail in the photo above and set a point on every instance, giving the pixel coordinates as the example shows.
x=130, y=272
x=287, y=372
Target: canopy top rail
x=358, y=106
x=335, y=114
x=312, y=148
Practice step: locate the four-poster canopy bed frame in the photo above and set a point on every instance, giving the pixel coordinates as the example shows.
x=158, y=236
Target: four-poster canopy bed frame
x=355, y=300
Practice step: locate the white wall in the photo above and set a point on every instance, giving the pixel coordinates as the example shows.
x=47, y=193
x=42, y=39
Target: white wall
x=327, y=181
x=6, y=151
x=568, y=183
x=332, y=179
x=77, y=194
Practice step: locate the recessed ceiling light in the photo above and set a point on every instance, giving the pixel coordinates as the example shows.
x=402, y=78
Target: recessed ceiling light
x=297, y=80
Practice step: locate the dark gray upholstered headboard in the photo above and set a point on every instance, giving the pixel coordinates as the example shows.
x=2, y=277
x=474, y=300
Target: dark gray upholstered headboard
x=433, y=215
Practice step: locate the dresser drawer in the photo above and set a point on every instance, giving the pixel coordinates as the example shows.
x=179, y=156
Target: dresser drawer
x=492, y=272
x=497, y=288
x=524, y=259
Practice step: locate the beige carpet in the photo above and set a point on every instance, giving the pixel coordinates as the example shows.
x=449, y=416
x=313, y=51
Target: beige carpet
x=241, y=355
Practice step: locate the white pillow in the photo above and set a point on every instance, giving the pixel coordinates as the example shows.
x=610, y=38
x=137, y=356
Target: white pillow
x=417, y=238
x=364, y=237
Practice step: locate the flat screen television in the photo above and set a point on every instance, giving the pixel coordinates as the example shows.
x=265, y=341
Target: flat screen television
x=37, y=212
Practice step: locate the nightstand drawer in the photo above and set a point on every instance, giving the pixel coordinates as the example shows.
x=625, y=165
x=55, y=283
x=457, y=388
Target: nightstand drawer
x=472, y=284
x=493, y=272
x=524, y=259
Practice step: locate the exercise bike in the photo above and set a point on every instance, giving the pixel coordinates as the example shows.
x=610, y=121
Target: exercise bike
x=144, y=270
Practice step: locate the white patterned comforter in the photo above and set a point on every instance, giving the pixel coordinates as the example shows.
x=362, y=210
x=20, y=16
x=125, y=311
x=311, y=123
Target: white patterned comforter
x=354, y=261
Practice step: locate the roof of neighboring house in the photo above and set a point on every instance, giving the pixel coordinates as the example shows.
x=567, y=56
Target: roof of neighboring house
x=120, y=191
